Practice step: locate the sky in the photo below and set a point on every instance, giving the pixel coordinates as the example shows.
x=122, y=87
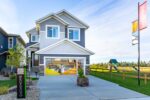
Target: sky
x=110, y=32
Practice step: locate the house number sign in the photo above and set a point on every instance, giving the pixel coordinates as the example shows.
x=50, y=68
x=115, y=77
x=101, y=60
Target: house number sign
x=21, y=83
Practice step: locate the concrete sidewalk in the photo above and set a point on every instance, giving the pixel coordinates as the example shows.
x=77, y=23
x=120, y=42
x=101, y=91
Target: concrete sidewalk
x=65, y=88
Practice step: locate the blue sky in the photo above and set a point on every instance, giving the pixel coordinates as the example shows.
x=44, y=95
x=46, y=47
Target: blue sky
x=109, y=35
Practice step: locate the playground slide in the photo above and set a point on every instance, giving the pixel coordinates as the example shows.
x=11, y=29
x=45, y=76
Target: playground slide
x=134, y=68
x=115, y=67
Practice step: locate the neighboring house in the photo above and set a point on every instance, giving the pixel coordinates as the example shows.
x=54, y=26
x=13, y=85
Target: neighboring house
x=8, y=41
x=57, y=43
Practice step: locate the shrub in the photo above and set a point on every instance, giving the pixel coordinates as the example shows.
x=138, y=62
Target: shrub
x=80, y=72
x=13, y=76
x=4, y=90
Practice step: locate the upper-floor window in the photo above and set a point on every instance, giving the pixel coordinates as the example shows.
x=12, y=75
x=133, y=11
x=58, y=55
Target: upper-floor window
x=34, y=38
x=10, y=42
x=74, y=34
x=53, y=31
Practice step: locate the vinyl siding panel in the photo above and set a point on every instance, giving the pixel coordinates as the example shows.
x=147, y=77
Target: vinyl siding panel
x=44, y=41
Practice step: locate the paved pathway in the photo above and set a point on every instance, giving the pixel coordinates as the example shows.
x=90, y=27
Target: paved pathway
x=65, y=88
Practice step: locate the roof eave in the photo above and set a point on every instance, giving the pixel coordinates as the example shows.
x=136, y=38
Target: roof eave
x=52, y=16
x=87, y=26
x=53, y=45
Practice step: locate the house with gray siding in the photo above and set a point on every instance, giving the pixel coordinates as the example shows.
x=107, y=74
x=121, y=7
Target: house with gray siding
x=57, y=44
x=8, y=41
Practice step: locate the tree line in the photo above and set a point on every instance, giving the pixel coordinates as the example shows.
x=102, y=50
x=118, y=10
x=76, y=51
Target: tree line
x=123, y=64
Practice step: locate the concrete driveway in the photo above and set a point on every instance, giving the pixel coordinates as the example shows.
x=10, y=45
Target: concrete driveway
x=65, y=88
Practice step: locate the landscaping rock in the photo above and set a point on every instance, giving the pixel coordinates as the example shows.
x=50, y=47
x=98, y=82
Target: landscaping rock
x=83, y=82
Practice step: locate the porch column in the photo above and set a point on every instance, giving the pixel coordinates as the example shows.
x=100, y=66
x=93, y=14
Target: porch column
x=84, y=67
x=32, y=58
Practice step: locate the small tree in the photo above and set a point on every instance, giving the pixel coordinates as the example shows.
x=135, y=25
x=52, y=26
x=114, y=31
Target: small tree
x=15, y=57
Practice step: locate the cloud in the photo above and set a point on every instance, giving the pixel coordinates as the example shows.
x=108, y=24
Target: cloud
x=109, y=35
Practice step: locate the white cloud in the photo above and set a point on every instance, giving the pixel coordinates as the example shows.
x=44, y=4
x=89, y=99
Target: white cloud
x=109, y=35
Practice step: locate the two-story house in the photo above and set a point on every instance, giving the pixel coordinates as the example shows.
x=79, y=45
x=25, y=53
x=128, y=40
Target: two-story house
x=57, y=44
x=8, y=41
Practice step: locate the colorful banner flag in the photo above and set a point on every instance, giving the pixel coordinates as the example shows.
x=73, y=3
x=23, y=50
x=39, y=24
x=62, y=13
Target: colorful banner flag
x=134, y=26
x=134, y=40
x=135, y=34
x=143, y=15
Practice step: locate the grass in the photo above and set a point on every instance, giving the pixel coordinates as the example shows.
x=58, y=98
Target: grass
x=33, y=78
x=130, y=83
x=8, y=83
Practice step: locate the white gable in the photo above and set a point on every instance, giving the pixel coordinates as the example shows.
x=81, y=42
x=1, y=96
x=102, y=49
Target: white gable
x=64, y=47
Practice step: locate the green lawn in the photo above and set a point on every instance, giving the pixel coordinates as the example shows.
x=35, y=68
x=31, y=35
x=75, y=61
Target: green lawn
x=33, y=78
x=130, y=83
x=8, y=83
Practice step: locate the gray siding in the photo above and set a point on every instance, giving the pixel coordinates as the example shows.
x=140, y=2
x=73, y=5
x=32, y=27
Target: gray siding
x=82, y=38
x=44, y=42
x=63, y=55
x=52, y=21
x=70, y=20
x=33, y=31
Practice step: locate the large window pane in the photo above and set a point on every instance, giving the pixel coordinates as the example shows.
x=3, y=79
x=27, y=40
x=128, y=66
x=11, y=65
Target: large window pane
x=52, y=32
x=55, y=32
x=70, y=34
x=74, y=34
x=49, y=34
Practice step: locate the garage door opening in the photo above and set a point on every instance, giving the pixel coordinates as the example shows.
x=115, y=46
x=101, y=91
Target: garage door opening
x=62, y=66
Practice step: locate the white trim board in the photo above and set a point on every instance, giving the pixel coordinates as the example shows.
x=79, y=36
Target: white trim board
x=65, y=40
x=49, y=16
x=32, y=45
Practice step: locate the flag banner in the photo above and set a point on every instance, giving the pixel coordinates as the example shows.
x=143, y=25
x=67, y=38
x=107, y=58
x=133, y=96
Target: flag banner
x=134, y=42
x=134, y=26
x=135, y=34
x=143, y=15
x=134, y=38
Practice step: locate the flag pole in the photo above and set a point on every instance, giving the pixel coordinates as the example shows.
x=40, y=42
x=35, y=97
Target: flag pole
x=138, y=46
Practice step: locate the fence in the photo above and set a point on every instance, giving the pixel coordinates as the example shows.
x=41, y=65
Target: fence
x=123, y=73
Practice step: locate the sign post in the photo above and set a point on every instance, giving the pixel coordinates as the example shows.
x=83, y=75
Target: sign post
x=21, y=82
x=137, y=26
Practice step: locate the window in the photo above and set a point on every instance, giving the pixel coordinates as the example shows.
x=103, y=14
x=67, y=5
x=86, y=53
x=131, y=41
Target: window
x=53, y=31
x=34, y=38
x=74, y=34
x=10, y=42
